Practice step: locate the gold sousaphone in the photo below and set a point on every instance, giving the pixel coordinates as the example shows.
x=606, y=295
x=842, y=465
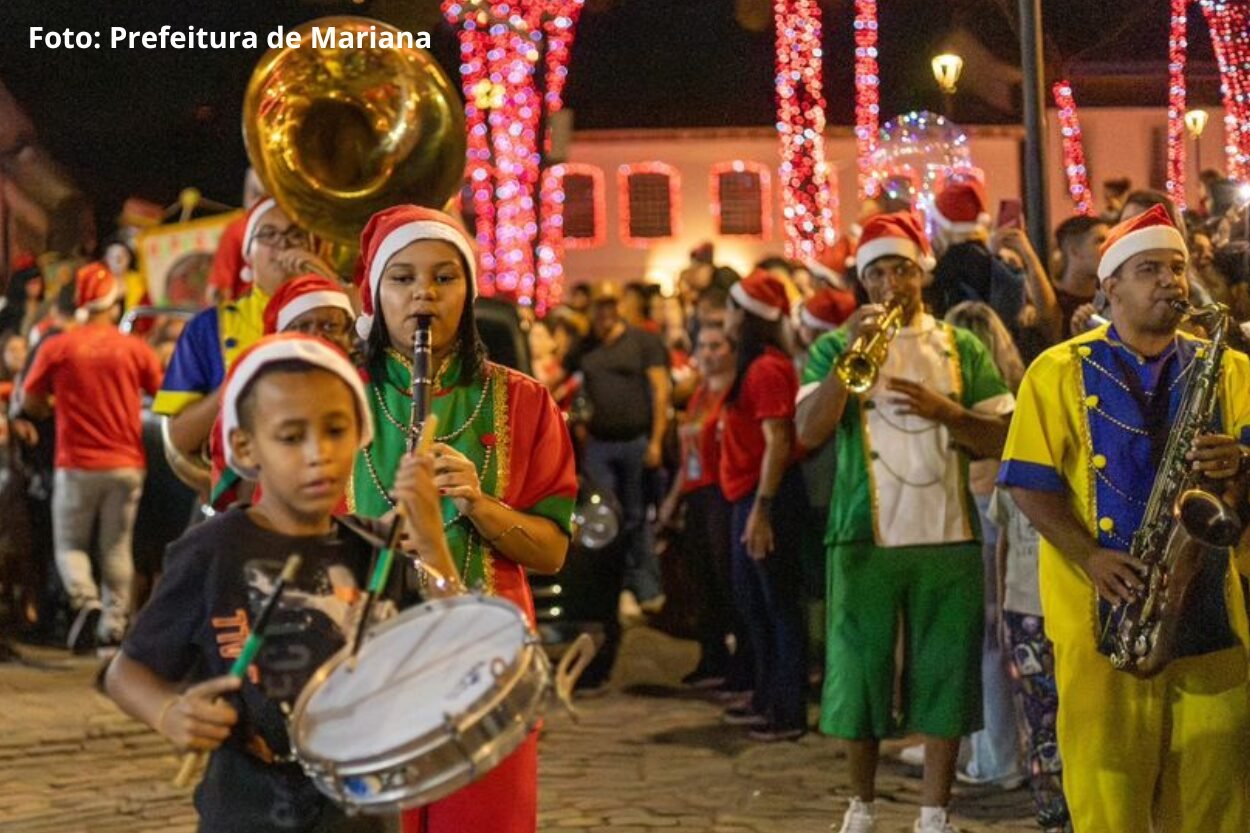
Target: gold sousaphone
x=339, y=134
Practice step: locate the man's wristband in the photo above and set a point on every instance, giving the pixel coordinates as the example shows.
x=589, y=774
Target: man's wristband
x=764, y=501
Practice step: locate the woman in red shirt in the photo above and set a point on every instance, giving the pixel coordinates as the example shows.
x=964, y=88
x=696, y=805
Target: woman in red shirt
x=759, y=479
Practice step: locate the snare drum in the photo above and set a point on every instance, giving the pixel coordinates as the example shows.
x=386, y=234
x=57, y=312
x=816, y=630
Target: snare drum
x=438, y=695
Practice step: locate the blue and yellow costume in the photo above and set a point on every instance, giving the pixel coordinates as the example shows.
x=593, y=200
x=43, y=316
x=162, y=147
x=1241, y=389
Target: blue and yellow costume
x=1087, y=425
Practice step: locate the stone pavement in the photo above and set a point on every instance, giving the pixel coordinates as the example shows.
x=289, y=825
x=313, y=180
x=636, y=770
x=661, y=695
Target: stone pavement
x=644, y=757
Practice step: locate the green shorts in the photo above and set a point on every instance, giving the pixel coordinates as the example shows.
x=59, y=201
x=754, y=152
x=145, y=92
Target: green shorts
x=935, y=593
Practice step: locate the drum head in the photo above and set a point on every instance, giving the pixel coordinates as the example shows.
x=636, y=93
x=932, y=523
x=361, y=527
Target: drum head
x=415, y=673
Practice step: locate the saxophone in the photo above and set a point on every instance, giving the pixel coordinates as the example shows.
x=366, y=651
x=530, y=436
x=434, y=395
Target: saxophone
x=1183, y=521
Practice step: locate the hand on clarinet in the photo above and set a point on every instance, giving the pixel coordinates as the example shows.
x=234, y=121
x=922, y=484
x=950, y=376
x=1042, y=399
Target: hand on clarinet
x=415, y=490
x=197, y=719
x=455, y=475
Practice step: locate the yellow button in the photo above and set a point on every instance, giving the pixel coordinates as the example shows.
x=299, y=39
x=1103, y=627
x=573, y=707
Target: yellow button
x=1201, y=352
x=1106, y=524
x=1100, y=462
x=1083, y=351
x=1091, y=401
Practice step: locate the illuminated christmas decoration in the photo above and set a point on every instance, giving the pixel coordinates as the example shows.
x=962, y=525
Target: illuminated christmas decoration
x=1073, y=149
x=1177, y=54
x=1229, y=21
x=670, y=224
x=554, y=185
x=766, y=197
x=867, y=90
x=914, y=152
x=808, y=206
x=513, y=66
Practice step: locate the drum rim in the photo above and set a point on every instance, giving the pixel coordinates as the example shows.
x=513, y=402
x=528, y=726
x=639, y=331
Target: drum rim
x=490, y=700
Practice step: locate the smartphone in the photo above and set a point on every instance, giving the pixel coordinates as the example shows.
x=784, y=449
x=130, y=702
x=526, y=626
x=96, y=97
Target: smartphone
x=1010, y=214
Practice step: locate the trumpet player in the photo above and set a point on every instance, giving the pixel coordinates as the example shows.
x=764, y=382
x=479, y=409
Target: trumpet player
x=1087, y=446
x=902, y=536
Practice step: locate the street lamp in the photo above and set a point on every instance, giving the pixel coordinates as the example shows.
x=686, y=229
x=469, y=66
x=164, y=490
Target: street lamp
x=947, y=68
x=1195, y=123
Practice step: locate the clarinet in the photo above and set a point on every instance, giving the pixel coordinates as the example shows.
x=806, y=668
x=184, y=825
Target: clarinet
x=421, y=382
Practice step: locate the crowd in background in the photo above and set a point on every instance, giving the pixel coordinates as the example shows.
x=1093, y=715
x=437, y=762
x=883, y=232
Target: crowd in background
x=682, y=409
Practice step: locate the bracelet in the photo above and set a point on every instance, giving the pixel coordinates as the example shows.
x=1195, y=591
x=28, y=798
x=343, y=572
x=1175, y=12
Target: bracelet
x=160, y=718
x=763, y=501
x=496, y=539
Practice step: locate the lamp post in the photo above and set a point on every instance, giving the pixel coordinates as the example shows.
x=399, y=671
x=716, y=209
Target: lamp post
x=947, y=68
x=1195, y=123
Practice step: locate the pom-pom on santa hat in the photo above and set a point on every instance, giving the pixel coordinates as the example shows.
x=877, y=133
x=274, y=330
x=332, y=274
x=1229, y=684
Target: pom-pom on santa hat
x=962, y=207
x=900, y=235
x=95, y=290
x=299, y=295
x=1152, y=229
x=763, y=294
x=827, y=309
x=279, y=348
x=394, y=228
x=252, y=225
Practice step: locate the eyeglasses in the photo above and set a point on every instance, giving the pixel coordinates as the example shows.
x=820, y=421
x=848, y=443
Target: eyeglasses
x=293, y=238
x=328, y=328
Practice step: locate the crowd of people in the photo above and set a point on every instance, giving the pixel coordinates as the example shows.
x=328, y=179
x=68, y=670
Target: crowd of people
x=899, y=479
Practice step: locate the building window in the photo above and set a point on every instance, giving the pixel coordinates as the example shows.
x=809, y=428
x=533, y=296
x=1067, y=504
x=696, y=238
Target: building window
x=742, y=199
x=649, y=203
x=582, y=209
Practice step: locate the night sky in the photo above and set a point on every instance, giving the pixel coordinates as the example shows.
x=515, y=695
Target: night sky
x=147, y=123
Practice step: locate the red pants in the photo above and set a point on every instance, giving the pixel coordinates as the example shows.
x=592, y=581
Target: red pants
x=505, y=801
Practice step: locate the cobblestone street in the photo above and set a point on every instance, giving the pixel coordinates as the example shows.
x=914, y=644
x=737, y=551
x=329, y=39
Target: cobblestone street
x=644, y=756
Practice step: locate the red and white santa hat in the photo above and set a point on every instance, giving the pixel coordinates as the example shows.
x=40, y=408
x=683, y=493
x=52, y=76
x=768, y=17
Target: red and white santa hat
x=763, y=294
x=299, y=295
x=392, y=229
x=962, y=206
x=834, y=261
x=1152, y=229
x=95, y=290
x=279, y=348
x=254, y=215
x=827, y=309
x=900, y=235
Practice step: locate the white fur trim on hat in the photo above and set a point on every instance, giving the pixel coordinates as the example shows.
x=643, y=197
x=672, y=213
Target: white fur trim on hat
x=744, y=299
x=821, y=271
x=312, y=300
x=886, y=246
x=1135, y=242
x=304, y=349
x=100, y=304
x=982, y=221
x=262, y=207
x=812, y=322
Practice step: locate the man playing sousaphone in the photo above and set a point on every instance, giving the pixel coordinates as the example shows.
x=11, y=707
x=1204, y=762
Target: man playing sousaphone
x=1090, y=450
x=274, y=250
x=902, y=535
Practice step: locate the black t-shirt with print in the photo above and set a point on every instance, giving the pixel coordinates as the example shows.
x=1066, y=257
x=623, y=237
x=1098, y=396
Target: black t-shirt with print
x=217, y=577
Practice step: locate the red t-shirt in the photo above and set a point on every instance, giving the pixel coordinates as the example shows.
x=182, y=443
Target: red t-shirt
x=96, y=375
x=700, y=441
x=768, y=392
x=228, y=261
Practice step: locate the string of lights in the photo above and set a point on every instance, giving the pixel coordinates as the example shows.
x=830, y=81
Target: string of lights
x=1229, y=21
x=808, y=206
x=867, y=91
x=502, y=46
x=1178, y=48
x=1073, y=148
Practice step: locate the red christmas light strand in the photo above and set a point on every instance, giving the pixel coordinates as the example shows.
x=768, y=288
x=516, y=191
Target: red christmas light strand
x=1229, y=21
x=807, y=204
x=867, y=91
x=1073, y=149
x=1178, y=48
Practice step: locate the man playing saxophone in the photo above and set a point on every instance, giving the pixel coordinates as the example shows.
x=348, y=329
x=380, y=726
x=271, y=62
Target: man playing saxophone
x=902, y=536
x=1088, y=446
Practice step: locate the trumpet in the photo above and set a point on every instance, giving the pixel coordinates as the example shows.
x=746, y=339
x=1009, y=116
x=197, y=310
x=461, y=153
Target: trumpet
x=858, y=366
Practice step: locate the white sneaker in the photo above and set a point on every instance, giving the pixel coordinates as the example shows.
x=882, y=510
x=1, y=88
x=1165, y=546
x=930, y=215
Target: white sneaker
x=912, y=755
x=859, y=818
x=939, y=824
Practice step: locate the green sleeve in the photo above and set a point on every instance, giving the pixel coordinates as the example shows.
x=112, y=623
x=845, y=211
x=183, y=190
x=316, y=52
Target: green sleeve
x=822, y=356
x=981, y=378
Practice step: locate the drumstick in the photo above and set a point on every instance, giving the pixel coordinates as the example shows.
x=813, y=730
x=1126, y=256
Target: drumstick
x=385, y=557
x=192, y=760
